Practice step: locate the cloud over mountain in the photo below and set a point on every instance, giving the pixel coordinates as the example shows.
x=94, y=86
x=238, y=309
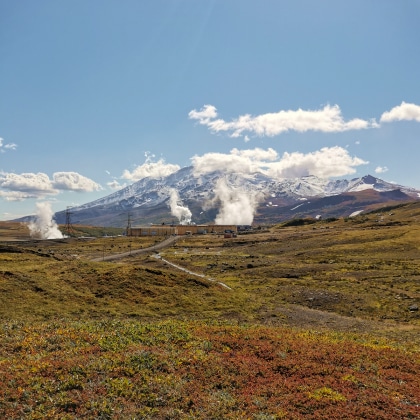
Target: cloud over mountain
x=327, y=162
x=73, y=181
x=324, y=163
x=150, y=169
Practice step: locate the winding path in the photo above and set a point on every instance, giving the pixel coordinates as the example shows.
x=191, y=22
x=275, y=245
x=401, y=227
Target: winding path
x=192, y=272
x=157, y=247
x=160, y=245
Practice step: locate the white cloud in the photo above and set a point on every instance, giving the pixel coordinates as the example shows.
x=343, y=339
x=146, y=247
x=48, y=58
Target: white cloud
x=328, y=120
x=239, y=161
x=73, y=181
x=403, y=112
x=16, y=195
x=6, y=146
x=115, y=185
x=151, y=169
x=381, y=169
x=324, y=163
x=207, y=113
x=18, y=187
x=31, y=183
x=10, y=146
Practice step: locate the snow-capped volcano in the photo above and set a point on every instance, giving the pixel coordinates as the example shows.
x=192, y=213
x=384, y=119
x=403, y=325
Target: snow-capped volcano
x=226, y=197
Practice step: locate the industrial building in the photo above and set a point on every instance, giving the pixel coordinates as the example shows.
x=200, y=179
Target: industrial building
x=167, y=230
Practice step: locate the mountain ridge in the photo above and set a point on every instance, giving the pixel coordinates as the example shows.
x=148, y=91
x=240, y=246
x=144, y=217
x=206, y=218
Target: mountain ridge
x=243, y=199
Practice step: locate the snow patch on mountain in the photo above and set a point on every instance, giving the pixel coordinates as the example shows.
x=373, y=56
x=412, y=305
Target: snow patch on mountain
x=235, y=196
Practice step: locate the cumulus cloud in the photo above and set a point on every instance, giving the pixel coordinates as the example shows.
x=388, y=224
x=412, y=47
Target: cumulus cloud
x=6, y=146
x=18, y=187
x=327, y=162
x=324, y=163
x=72, y=181
x=403, y=112
x=151, y=169
x=381, y=169
x=328, y=120
x=32, y=183
x=240, y=161
x=204, y=115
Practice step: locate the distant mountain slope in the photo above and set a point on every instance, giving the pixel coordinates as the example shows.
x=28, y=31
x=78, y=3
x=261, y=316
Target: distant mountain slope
x=266, y=199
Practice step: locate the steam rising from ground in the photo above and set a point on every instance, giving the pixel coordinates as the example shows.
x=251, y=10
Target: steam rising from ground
x=44, y=225
x=182, y=213
x=237, y=206
x=237, y=203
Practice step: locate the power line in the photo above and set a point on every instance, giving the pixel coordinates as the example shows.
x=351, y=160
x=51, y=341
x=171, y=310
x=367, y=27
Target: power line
x=69, y=227
x=128, y=225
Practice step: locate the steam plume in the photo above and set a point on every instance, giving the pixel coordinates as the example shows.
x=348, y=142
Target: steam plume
x=182, y=213
x=237, y=206
x=44, y=225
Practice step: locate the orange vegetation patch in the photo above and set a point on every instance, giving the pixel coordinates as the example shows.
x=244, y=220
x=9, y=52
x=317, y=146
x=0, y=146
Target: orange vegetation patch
x=172, y=369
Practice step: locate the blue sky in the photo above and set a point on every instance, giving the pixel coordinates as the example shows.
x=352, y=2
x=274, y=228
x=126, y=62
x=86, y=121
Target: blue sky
x=96, y=94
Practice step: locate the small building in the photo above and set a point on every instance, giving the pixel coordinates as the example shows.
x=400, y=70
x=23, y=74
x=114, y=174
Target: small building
x=168, y=230
x=153, y=230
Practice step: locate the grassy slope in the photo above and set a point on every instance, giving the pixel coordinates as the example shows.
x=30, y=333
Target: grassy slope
x=84, y=338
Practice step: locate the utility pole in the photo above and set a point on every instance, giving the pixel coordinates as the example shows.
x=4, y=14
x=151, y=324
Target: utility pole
x=69, y=227
x=128, y=231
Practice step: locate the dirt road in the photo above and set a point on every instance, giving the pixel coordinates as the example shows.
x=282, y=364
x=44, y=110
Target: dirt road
x=165, y=243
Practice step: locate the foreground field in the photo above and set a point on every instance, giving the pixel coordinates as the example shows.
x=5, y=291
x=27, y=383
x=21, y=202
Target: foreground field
x=319, y=320
x=177, y=370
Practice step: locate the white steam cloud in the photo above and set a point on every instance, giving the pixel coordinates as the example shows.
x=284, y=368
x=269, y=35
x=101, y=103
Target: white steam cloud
x=237, y=206
x=181, y=212
x=44, y=225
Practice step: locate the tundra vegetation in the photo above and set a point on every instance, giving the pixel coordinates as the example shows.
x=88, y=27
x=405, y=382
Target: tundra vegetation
x=320, y=320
